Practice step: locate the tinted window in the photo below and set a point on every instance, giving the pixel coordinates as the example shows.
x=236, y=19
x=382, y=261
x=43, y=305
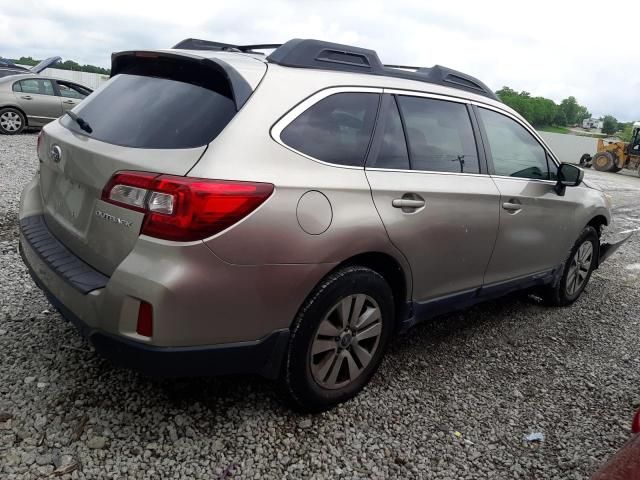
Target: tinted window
x=393, y=150
x=515, y=152
x=337, y=129
x=440, y=135
x=16, y=87
x=37, y=86
x=150, y=112
x=69, y=90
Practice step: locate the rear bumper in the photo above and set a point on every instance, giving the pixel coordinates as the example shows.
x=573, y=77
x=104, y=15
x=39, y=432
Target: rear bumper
x=262, y=357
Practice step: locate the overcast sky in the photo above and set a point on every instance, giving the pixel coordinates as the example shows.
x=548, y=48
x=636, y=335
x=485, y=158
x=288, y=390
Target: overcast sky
x=552, y=48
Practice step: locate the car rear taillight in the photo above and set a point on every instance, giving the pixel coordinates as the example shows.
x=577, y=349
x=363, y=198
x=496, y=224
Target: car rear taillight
x=635, y=425
x=183, y=208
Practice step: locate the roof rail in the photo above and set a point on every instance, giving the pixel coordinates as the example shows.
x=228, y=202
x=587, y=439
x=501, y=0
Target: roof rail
x=197, y=44
x=306, y=53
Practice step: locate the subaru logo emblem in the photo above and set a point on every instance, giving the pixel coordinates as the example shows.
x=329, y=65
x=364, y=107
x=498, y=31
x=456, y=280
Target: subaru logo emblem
x=55, y=153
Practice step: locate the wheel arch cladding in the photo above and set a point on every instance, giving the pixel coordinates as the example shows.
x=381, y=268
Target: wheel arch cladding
x=598, y=222
x=391, y=271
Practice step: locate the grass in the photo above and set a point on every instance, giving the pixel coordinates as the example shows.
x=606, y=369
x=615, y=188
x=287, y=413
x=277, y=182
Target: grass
x=554, y=129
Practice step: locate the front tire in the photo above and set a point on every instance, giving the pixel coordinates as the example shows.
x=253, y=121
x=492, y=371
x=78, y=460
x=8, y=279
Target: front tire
x=338, y=339
x=12, y=121
x=604, y=161
x=581, y=262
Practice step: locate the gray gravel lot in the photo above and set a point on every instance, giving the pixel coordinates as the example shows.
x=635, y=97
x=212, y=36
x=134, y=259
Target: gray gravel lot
x=453, y=399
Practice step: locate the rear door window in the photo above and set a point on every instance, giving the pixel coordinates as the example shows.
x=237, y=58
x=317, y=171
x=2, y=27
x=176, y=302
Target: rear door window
x=337, y=129
x=514, y=151
x=71, y=90
x=393, y=153
x=152, y=112
x=440, y=135
x=37, y=86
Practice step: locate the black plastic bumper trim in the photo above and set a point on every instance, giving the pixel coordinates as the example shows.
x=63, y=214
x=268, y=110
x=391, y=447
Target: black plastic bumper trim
x=263, y=357
x=59, y=258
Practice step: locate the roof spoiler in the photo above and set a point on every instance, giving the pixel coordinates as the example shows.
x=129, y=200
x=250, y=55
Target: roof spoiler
x=240, y=88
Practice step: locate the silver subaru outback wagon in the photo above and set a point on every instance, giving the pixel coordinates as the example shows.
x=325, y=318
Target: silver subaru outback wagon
x=212, y=210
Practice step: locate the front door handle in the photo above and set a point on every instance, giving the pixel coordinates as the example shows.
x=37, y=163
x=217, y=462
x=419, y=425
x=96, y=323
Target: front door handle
x=26, y=97
x=71, y=102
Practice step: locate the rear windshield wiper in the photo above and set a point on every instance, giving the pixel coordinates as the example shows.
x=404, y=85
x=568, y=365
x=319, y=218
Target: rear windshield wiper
x=80, y=121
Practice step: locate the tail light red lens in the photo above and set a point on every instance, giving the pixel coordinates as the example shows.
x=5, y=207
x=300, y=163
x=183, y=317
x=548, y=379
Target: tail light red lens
x=183, y=208
x=145, y=319
x=635, y=426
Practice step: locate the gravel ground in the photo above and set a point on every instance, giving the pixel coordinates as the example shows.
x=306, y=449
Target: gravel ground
x=453, y=399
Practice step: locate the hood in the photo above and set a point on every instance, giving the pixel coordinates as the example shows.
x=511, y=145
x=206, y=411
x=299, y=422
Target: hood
x=46, y=63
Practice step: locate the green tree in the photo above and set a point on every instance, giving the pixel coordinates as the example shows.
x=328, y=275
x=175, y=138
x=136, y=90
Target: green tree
x=570, y=108
x=540, y=111
x=66, y=65
x=560, y=118
x=625, y=136
x=609, y=125
x=582, y=114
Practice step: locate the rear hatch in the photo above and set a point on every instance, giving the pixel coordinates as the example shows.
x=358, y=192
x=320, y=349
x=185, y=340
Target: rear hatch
x=158, y=113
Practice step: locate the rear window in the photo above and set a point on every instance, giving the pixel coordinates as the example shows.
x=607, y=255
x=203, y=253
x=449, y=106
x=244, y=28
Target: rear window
x=337, y=129
x=143, y=111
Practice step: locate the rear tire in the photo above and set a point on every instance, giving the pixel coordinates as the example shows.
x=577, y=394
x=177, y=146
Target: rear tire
x=578, y=268
x=12, y=121
x=604, y=161
x=338, y=339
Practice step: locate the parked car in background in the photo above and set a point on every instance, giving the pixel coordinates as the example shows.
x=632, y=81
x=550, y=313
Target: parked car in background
x=27, y=100
x=8, y=67
x=211, y=210
x=625, y=464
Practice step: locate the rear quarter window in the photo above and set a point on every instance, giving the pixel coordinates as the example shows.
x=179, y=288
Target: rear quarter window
x=337, y=129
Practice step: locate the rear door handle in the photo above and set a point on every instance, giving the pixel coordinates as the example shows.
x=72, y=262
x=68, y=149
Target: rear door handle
x=407, y=203
x=26, y=97
x=69, y=101
x=513, y=206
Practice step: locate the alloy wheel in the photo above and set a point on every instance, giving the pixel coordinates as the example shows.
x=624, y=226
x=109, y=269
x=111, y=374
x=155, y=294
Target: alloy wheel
x=346, y=341
x=10, y=121
x=579, y=268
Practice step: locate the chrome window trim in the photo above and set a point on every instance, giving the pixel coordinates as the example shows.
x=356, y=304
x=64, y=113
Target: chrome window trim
x=295, y=112
x=436, y=96
x=428, y=172
x=524, y=179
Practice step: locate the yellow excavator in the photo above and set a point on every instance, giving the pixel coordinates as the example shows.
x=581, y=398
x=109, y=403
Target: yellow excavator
x=613, y=156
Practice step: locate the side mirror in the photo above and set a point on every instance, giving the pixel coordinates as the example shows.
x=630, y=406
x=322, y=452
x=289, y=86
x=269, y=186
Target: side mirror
x=568, y=176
